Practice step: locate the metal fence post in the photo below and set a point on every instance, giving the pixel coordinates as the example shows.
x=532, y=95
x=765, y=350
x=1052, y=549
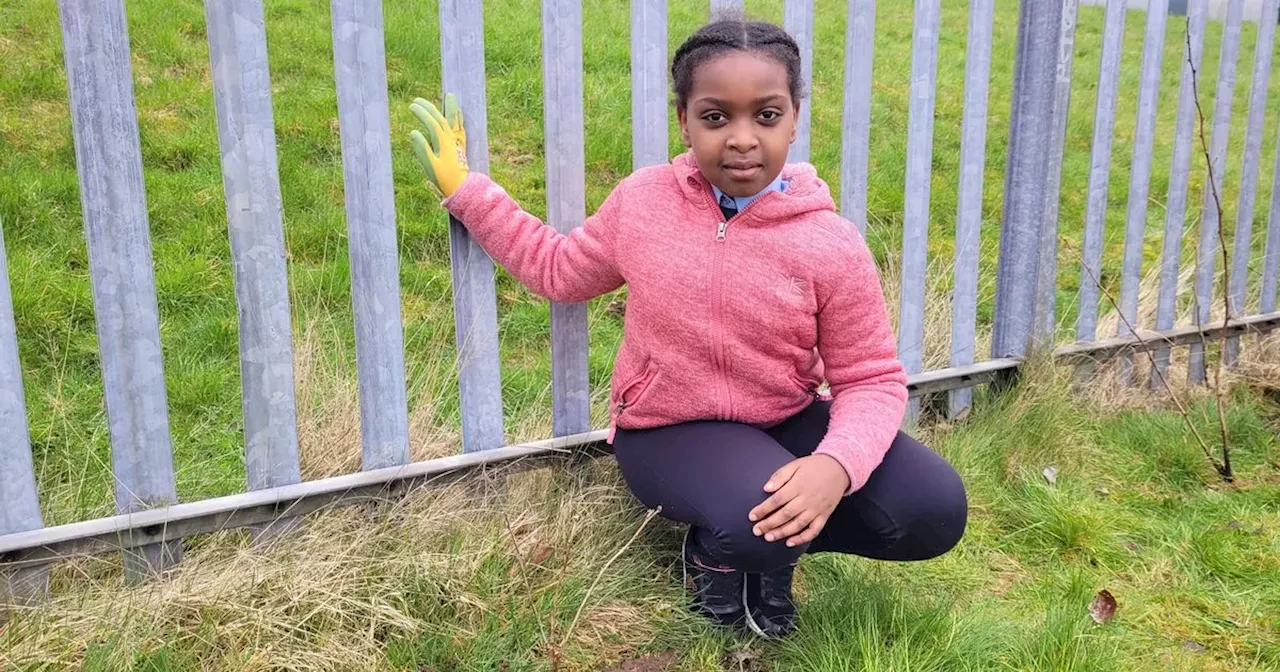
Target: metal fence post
x=104, y=123
x=475, y=299
x=1030, y=132
x=566, y=204
x=19, y=503
x=364, y=122
x=973, y=156
x=1047, y=273
x=251, y=180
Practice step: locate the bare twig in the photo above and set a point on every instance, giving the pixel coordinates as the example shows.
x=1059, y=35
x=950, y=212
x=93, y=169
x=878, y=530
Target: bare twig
x=587, y=597
x=1225, y=469
x=1182, y=409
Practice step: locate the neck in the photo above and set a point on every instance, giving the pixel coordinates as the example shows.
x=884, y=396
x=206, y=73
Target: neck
x=773, y=184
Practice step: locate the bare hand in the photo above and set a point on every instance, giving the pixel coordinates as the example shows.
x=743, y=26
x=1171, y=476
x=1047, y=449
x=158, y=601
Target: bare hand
x=805, y=492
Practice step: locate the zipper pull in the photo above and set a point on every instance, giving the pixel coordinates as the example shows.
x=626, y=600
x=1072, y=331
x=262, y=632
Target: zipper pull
x=720, y=232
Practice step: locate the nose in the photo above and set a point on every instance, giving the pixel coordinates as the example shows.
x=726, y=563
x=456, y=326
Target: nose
x=742, y=137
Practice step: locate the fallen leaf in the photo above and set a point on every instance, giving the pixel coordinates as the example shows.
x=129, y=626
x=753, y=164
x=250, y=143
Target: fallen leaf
x=1103, y=606
x=744, y=660
x=1051, y=474
x=1131, y=546
x=1258, y=532
x=660, y=662
x=1233, y=525
x=540, y=554
x=1102, y=490
x=1193, y=646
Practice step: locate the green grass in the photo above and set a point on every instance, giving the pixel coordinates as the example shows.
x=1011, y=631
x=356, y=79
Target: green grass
x=1011, y=597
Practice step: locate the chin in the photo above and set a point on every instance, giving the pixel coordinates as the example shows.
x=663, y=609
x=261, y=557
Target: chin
x=741, y=189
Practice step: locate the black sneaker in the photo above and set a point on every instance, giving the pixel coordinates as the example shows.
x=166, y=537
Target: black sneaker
x=770, y=611
x=716, y=588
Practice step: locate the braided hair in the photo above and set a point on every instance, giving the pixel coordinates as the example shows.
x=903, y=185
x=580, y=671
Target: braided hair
x=731, y=33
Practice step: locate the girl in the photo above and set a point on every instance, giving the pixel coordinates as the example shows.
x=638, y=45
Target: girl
x=746, y=291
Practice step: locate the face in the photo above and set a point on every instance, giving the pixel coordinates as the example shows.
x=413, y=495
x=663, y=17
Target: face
x=739, y=120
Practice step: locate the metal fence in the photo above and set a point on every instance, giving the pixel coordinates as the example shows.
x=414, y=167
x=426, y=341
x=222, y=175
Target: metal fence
x=151, y=523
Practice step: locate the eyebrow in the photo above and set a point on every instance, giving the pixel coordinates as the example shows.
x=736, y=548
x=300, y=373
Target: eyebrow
x=773, y=98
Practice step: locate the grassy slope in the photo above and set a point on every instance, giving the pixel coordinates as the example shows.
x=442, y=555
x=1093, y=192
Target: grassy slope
x=39, y=208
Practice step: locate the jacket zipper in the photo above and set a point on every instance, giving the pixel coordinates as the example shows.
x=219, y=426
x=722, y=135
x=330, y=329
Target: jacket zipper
x=717, y=346
x=622, y=404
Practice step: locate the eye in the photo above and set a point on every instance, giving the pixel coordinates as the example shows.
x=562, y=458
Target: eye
x=714, y=117
x=770, y=116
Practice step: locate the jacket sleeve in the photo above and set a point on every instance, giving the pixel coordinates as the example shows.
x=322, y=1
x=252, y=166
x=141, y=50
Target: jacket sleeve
x=566, y=268
x=859, y=353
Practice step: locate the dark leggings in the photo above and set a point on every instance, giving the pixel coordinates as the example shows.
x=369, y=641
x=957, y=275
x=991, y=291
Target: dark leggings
x=710, y=474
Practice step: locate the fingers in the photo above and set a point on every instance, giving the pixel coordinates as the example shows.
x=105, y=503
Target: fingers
x=810, y=532
x=431, y=122
x=781, y=476
x=793, y=526
x=435, y=114
x=776, y=481
x=769, y=505
x=423, y=151
x=453, y=112
x=430, y=108
x=768, y=527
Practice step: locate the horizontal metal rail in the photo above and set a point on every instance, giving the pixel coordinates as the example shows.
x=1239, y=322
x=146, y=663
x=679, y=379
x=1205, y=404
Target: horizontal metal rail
x=1085, y=353
x=260, y=507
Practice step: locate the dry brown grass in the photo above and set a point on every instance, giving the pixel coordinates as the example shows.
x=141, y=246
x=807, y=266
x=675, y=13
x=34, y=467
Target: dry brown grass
x=937, y=311
x=441, y=563
x=1259, y=363
x=333, y=594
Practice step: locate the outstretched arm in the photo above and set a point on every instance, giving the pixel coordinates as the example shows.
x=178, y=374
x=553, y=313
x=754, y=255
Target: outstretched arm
x=562, y=267
x=569, y=267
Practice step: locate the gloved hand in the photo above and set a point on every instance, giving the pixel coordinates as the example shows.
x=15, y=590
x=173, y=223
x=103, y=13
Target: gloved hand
x=444, y=155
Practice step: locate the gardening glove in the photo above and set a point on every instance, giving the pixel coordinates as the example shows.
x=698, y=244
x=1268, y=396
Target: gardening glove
x=443, y=150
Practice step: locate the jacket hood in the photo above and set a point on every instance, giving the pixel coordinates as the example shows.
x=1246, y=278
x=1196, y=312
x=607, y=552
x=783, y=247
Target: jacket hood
x=806, y=193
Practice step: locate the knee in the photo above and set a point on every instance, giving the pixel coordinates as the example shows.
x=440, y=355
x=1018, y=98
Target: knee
x=737, y=546
x=944, y=518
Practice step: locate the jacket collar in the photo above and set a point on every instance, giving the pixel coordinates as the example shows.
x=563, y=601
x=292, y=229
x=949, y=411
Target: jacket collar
x=805, y=193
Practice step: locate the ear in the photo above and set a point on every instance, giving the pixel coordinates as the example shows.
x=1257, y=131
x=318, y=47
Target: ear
x=683, y=117
x=795, y=122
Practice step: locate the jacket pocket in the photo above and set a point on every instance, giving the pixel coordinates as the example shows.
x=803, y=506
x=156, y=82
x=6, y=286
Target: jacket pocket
x=634, y=389
x=808, y=387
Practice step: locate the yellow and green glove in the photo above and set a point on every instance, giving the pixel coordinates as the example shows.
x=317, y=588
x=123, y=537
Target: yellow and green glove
x=443, y=150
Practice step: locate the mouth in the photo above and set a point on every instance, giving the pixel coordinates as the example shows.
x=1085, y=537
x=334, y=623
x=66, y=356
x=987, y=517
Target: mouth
x=742, y=170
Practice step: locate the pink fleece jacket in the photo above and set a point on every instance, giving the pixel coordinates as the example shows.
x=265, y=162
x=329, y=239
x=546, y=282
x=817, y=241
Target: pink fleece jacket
x=724, y=321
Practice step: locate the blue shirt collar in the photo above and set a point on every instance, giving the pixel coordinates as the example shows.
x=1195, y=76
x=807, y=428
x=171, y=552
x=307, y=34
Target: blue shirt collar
x=778, y=184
